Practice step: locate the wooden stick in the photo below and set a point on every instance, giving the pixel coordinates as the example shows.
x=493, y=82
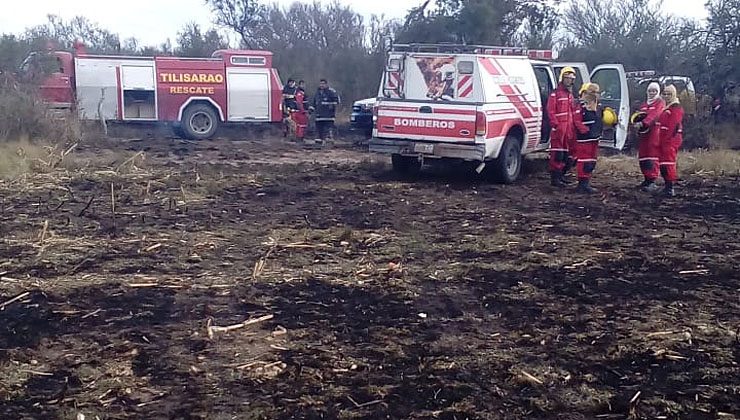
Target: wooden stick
x=215, y=329
x=43, y=231
x=142, y=284
x=357, y=405
x=660, y=333
x=532, y=378
x=705, y=271
x=129, y=160
x=152, y=248
x=36, y=372
x=91, y=313
x=86, y=207
x=15, y=299
x=113, y=205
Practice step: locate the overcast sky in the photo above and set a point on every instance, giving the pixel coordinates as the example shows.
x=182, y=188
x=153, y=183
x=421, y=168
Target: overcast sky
x=153, y=21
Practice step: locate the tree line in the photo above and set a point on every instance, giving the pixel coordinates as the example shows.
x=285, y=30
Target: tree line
x=311, y=41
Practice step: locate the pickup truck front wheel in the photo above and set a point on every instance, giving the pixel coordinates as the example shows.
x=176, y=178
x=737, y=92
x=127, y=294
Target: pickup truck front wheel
x=405, y=165
x=508, y=165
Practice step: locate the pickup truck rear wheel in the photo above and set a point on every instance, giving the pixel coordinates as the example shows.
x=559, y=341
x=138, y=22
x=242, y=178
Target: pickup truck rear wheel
x=199, y=122
x=508, y=165
x=405, y=165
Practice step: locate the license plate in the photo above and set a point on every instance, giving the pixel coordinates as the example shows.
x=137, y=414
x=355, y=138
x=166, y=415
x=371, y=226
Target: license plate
x=423, y=148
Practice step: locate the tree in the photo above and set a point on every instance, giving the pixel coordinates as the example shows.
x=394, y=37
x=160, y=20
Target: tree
x=636, y=33
x=723, y=39
x=498, y=22
x=242, y=16
x=65, y=33
x=192, y=42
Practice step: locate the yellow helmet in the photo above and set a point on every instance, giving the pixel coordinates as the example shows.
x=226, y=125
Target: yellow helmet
x=583, y=88
x=638, y=116
x=565, y=71
x=610, y=117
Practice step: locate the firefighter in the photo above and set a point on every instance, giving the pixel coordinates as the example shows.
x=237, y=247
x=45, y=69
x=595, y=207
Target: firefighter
x=289, y=107
x=289, y=91
x=589, y=125
x=649, y=137
x=671, y=137
x=325, y=103
x=562, y=109
x=299, y=117
x=302, y=88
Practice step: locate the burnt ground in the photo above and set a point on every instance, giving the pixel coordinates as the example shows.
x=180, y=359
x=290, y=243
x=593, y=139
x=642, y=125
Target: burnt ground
x=439, y=297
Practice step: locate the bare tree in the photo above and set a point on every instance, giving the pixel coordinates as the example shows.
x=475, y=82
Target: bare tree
x=244, y=17
x=192, y=42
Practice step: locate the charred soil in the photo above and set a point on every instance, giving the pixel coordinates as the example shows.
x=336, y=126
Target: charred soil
x=435, y=297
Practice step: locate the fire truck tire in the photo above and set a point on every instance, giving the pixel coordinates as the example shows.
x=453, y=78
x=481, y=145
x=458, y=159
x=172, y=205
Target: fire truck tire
x=405, y=165
x=199, y=122
x=508, y=164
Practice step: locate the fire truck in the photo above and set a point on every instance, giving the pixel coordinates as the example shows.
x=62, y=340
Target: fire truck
x=481, y=104
x=194, y=95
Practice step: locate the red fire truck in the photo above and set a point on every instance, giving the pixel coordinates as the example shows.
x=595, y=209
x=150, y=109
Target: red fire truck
x=194, y=95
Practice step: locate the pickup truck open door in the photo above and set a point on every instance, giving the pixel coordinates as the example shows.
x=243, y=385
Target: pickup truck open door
x=612, y=80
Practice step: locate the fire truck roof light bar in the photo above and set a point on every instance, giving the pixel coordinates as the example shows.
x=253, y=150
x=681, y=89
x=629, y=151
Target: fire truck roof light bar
x=472, y=49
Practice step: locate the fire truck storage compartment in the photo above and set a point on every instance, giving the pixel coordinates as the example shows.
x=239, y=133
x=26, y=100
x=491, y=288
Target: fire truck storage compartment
x=97, y=90
x=98, y=95
x=138, y=85
x=248, y=94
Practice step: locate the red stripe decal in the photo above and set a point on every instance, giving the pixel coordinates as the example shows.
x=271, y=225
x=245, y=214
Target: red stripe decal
x=467, y=91
x=507, y=89
x=503, y=71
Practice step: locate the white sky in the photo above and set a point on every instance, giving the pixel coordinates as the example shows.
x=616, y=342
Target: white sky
x=153, y=21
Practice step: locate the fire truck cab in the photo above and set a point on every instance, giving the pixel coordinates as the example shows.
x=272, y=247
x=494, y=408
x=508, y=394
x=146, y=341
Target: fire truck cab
x=194, y=95
x=483, y=104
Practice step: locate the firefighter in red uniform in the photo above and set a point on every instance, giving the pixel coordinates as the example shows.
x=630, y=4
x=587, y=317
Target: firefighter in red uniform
x=589, y=124
x=562, y=110
x=300, y=114
x=671, y=137
x=649, y=137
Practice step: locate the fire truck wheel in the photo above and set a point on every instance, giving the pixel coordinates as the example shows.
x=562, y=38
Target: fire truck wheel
x=405, y=165
x=199, y=122
x=508, y=165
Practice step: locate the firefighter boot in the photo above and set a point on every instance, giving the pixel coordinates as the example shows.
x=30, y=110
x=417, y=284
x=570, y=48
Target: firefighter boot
x=584, y=187
x=651, y=187
x=569, y=164
x=644, y=184
x=668, y=190
x=556, y=179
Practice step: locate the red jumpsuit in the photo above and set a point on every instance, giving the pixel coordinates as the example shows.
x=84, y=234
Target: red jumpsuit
x=671, y=137
x=590, y=126
x=648, y=149
x=562, y=111
x=300, y=116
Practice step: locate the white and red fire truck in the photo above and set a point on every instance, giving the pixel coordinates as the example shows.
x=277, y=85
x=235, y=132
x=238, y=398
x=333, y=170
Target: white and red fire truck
x=195, y=95
x=478, y=103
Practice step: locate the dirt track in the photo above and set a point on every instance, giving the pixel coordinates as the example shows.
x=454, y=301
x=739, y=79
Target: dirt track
x=433, y=298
